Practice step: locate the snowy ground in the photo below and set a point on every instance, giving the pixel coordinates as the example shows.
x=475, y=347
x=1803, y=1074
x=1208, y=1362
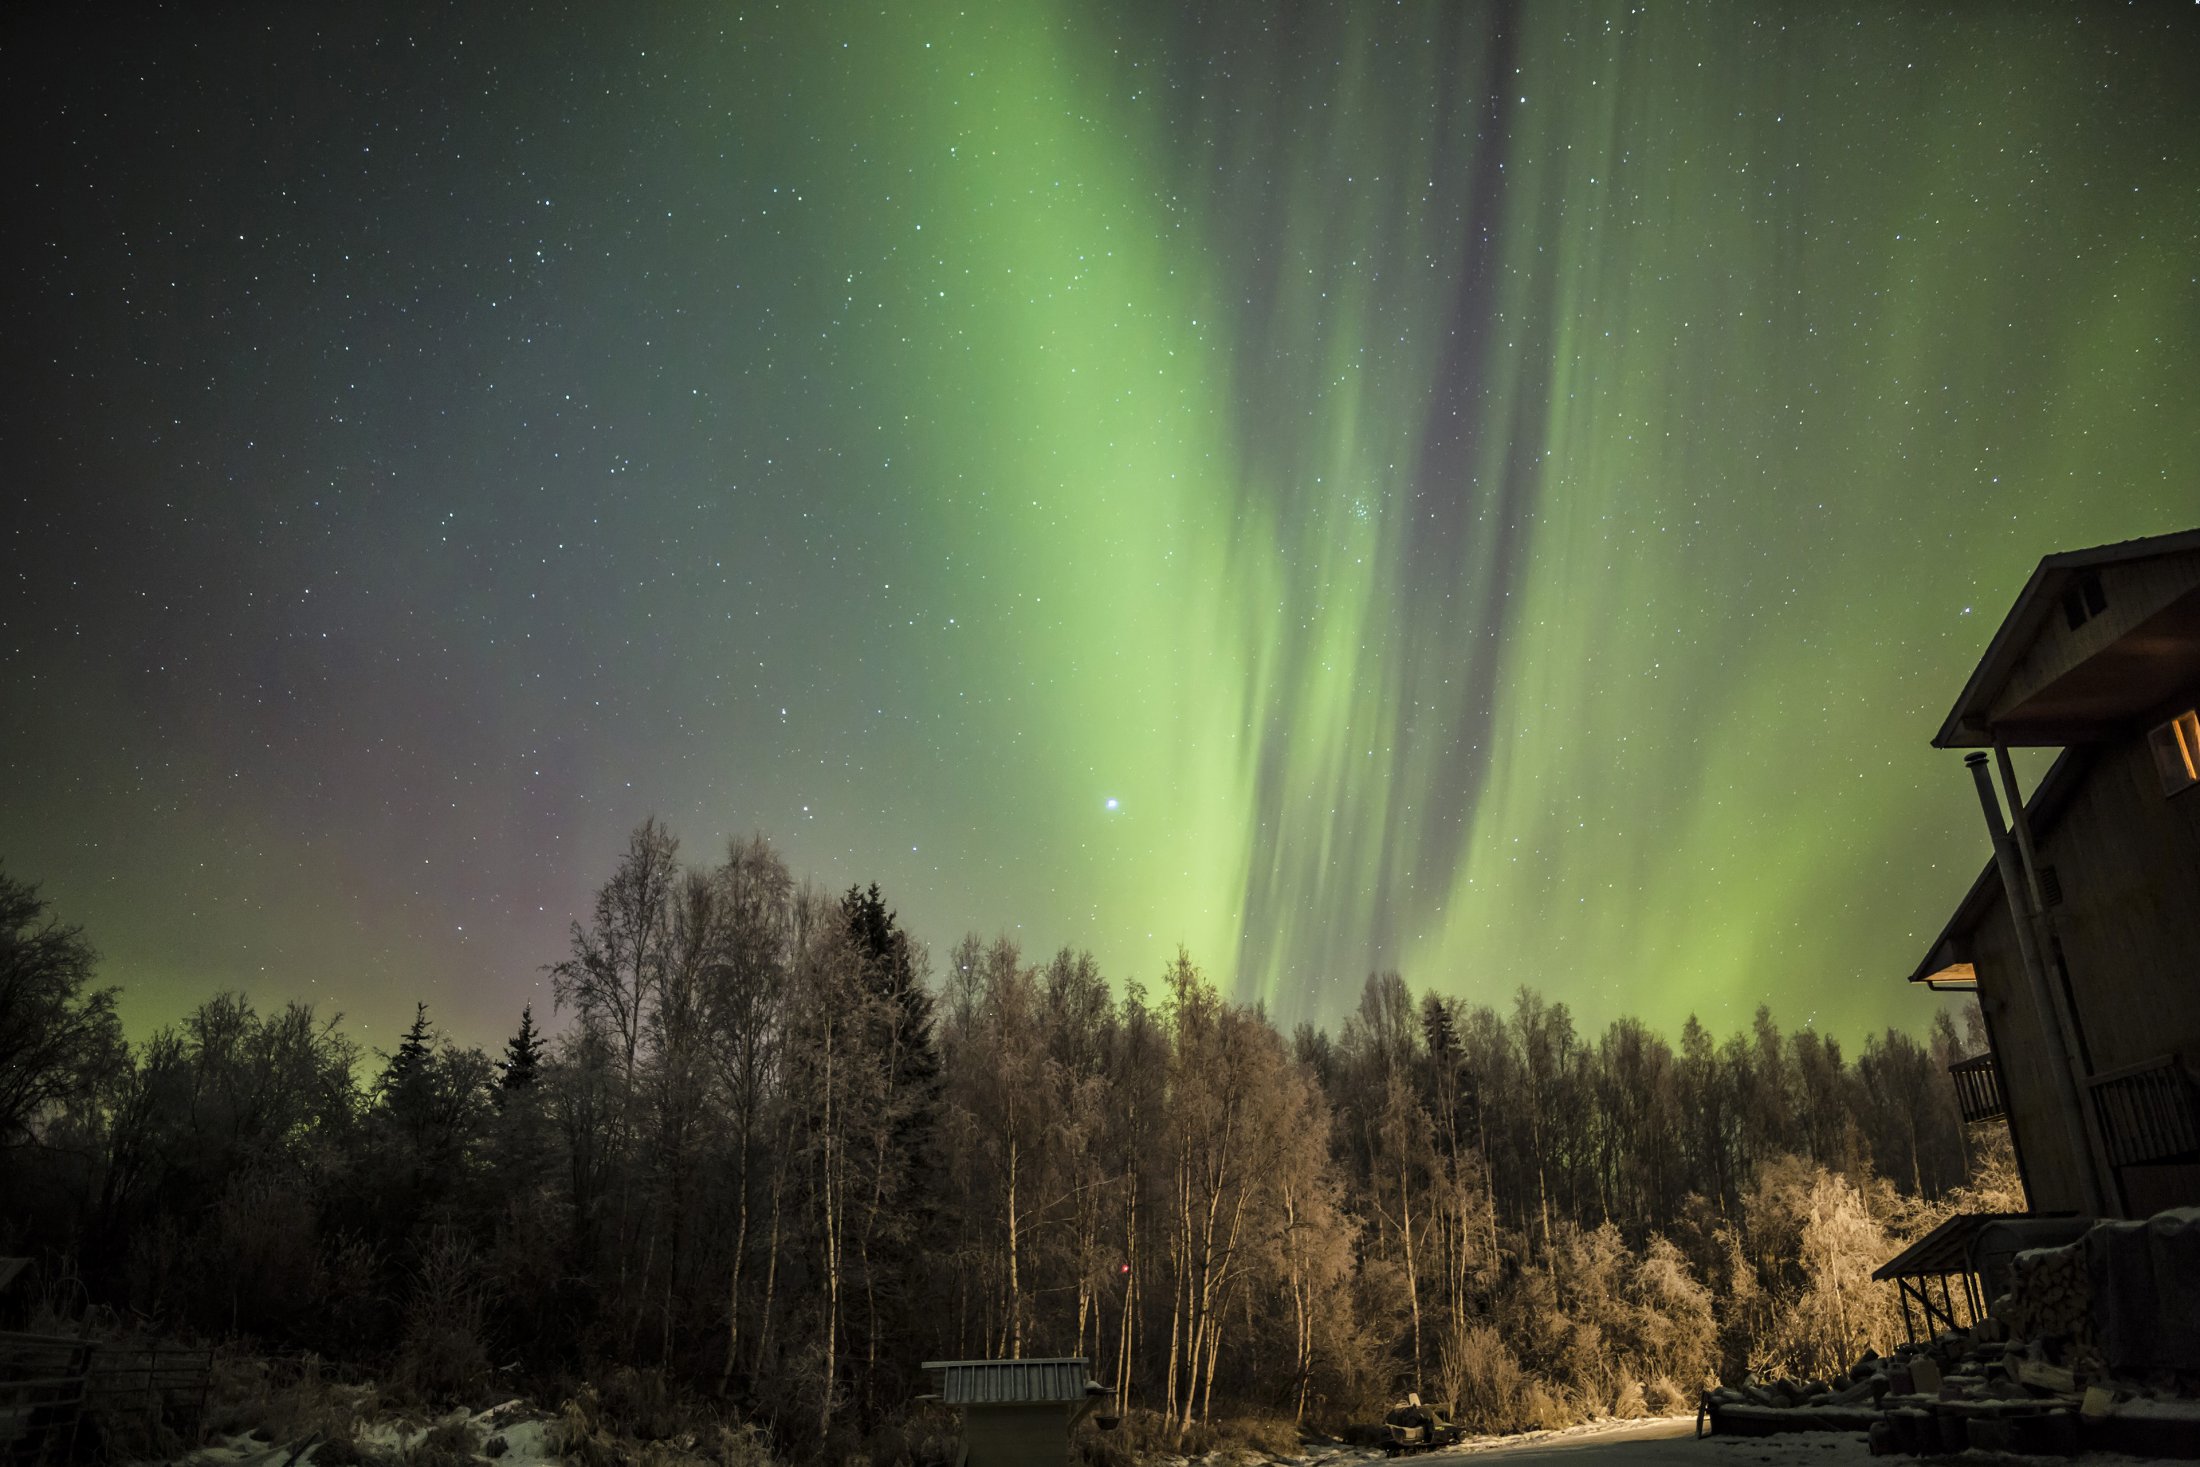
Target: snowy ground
x=1635, y=1436
x=1658, y=1441
x=1670, y=1441
x=525, y=1434
x=1664, y=1441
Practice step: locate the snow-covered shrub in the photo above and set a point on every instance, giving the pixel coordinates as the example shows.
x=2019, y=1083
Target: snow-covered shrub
x=1484, y=1381
x=1814, y=1240
x=449, y=1444
x=1675, y=1332
x=443, y=1354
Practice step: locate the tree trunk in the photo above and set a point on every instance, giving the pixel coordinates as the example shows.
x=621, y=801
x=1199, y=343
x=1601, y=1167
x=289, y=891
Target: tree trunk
x=740, y=1250
x=771, y=1263
x=1015, y=1282
x=1413, y=1276
x=1301, y=1326
x=1180, y=1282
x=1130, y=1299
x=829, y=1192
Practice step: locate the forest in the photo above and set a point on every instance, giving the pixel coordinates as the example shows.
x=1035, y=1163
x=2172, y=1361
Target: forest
x=771, y=1156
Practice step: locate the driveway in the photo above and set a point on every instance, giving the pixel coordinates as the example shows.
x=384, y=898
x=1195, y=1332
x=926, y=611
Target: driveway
x=1668, y=1441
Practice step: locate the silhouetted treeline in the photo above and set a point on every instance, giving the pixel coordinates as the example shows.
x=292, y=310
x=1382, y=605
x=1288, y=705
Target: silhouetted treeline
x=773, y=1154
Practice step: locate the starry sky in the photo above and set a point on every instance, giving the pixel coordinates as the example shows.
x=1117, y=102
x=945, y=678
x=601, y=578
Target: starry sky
x=1500, y=492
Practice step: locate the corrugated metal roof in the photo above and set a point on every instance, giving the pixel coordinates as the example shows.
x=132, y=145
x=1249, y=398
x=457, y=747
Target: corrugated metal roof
x=1003, y=1382
x=1944, y=1250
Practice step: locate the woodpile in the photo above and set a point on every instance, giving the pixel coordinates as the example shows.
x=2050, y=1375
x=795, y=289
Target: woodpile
x=2050, y=1299
x=2029, y=1378
x=2050, y=1296
x=1957, y=1392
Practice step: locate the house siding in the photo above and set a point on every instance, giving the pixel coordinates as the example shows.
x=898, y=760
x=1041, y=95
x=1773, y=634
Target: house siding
x=2128, y=861
x=2053, y=1173
x=1016, y=1436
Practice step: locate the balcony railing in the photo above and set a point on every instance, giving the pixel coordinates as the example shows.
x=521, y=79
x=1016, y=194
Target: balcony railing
x=1978, y=1088
x=2147, y=1113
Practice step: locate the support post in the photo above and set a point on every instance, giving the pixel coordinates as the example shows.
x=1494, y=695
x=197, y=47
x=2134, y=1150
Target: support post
x=2060, y=1059
x=2051, y=958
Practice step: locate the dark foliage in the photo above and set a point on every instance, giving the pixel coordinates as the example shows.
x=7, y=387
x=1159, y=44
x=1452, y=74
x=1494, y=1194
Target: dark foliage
x=521, y=1065
x=57, y=1033
x=768, y=1165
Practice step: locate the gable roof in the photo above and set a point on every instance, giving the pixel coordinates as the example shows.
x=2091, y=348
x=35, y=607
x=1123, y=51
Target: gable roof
x=1014, y=1382
x=1964, y=727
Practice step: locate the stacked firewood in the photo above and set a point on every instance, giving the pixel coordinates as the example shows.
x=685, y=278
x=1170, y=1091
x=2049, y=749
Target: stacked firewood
x=2030, y=1378
x=2051, y=1298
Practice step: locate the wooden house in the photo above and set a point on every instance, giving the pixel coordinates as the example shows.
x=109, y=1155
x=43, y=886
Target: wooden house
x=1018, y=1413
x=2081, y=937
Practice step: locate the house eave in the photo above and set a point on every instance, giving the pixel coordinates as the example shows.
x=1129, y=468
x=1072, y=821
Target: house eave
x=1967, y=725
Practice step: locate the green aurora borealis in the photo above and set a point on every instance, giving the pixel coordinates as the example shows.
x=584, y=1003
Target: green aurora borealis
x=1504, y=494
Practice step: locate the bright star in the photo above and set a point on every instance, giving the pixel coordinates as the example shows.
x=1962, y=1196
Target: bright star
x=1111, y=802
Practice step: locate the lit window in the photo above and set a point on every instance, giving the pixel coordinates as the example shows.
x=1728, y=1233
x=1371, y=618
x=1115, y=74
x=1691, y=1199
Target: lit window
x=2177, y=751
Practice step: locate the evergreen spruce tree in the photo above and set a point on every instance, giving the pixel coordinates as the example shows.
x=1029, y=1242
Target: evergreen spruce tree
x=422, y=1130
x=522, y=1062
x=518, y=1139
x=409, y=1065
x=889, y=962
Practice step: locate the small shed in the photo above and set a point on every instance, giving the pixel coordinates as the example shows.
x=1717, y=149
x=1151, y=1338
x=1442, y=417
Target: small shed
x=1018, y=1413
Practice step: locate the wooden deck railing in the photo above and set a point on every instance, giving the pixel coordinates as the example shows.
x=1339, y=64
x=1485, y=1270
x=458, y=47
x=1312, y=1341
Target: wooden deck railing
x=1978, y=1088
x=149, y=1388
x=42, y=1384
x=49, y=1384
x=2147, y=1112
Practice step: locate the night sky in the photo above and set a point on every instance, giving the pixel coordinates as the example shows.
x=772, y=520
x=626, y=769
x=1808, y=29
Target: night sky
x=1504, y=494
